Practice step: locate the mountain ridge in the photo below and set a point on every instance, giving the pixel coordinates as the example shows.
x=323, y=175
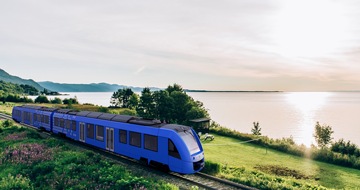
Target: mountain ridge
x=4, y=76
x=92, y=87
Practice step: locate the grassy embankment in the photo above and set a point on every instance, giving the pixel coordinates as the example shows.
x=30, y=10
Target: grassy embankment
x=269, y=169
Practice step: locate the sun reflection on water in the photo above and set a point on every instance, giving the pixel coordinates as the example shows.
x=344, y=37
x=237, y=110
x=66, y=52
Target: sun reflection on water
x=306, y=104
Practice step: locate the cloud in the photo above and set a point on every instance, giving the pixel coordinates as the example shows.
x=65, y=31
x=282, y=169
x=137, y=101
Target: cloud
x=158, y=42
x=140, y=70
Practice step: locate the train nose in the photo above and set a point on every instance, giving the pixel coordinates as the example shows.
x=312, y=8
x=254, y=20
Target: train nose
x=199, y=165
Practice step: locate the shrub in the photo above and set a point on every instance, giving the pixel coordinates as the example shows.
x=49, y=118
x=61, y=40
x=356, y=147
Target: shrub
x=16, y=136
x=71, y=101
x=127, y=112
x=343, y=147
x=211, y=168
x=41, y=99
x=56, y=100
x=8, y=123
x=15, y=183
x=27, y=154
x=103, y=109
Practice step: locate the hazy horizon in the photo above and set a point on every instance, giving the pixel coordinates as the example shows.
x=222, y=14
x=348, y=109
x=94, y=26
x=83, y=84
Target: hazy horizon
x=231, y=45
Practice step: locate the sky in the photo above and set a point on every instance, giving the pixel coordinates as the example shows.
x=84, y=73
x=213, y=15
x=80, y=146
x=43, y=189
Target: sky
x=286, y=45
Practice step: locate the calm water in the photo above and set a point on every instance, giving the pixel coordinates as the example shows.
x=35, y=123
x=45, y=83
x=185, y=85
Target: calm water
x=279, y=114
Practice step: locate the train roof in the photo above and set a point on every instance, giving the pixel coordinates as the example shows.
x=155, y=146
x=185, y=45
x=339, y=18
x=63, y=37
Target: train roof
x=39, y=108
x=113, y=117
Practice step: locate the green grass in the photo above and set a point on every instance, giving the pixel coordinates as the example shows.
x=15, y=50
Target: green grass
x=233, y=153
x=7, y=107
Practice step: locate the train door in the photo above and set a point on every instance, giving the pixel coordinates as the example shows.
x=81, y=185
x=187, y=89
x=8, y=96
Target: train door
x=175, y=162
x=110, y=139
x=82, y=132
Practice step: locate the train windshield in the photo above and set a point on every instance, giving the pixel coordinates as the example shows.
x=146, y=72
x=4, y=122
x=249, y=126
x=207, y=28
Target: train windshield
x=190, y=141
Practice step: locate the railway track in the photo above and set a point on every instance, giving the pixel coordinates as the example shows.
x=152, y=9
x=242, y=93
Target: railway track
x=203, y=181
x=4, y=116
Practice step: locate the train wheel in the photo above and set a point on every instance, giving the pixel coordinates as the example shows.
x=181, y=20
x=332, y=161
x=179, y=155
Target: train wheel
x=144, y=161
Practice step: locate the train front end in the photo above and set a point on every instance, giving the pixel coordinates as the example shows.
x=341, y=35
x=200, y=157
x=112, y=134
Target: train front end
x=190, y=157
x=195, y=148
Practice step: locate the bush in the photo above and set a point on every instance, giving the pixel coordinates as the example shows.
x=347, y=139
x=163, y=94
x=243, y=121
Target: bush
x=211, y=168
x=127, y=112
x=7, y=123
x=56, y=101
x=104, y=109
x=15, y=183
x=16, y=98
x=343, y=147
x=70, y=101
x=41, y=99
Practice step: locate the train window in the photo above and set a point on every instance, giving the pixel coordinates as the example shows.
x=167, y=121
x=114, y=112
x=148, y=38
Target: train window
x=73, y=125
x=39, y=117
x=90, y=130
x=100, y=132
x=189, y=138
x=56, y=121
x=172, y=150
x=135, y=139
x=46, y=119
x=27, y=116
x=123, y=136
x=67, y=124
x=62, y=123
x=35, y=117
x=151, y=142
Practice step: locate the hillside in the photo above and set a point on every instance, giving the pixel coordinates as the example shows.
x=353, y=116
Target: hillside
x=7, y=88
x=62, y=87
x=17, y=80
x=93, y=87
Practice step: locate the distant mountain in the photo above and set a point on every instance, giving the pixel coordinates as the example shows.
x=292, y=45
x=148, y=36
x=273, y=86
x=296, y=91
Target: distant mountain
x=17, y=80
x=93, y=87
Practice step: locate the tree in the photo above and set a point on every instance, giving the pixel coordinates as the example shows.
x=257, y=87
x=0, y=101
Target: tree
x=171, y=105
x=41, y=99
x=183, y=107
x=70, y=101
x=163, y=105
x=174, y=88
x=121, y=97
x=323, y=135
x=146, y=106
x=56, y=100
x=256, y=129
x=134, y=101
x=29, y=89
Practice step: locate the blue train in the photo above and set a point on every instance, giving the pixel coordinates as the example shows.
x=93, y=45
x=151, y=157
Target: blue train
x=169, y=146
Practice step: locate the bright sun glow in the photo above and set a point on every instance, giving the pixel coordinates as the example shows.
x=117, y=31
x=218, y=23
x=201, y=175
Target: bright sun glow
x=309, y=28
x=306, y=104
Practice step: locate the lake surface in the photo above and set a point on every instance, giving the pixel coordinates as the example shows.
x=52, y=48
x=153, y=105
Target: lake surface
x=280, y=114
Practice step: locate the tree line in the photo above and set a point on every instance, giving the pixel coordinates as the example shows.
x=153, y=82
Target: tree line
x=10, y=92
x=171, y=105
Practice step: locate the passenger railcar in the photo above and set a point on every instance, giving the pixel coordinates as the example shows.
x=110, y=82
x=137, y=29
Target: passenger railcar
x=170, y=146
x=39, y=117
